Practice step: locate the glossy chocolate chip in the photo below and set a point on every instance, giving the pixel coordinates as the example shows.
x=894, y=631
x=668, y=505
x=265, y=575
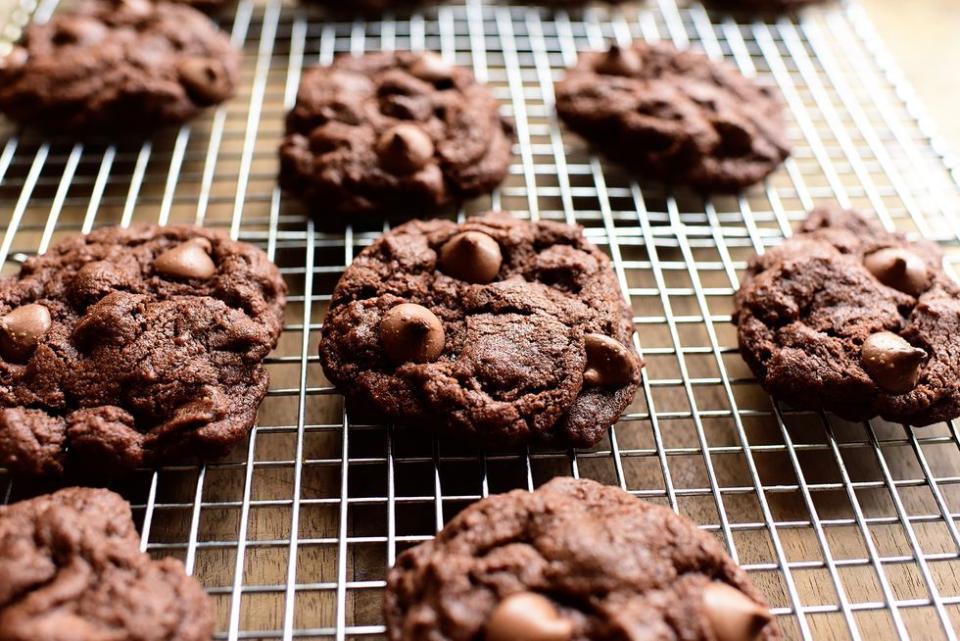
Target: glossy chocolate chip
x=205, y=79
x=21, y=330
x=899, y=268
x=620, y=61
x=432, y=68
x=405, y=148
x=527, y=616
x=411, y=334
x=892, y=362
x=609, y=363
x=732, y=615
x=79, y=30
x=189, y=259
x=471, y=256
x=14, y=59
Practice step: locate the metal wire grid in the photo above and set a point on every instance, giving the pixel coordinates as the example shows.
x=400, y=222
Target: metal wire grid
x=849, y=529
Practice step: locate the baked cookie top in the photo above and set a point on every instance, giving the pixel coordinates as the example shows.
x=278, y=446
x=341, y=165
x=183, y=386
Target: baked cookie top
x=497, y=330
x=676, y=115
x=847, y=317
x=572, y=561
x=117, y=67
x=71, y=568
x=134, y=346
x=392, y=133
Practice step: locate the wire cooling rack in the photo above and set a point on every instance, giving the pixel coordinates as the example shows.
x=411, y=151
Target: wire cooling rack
x=849, y=529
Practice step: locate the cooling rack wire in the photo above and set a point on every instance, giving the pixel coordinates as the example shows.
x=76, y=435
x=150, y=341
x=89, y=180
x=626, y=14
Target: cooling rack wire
x=848, y=528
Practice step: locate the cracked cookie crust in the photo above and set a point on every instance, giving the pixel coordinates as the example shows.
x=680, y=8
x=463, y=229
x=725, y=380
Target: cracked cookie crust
x=572, y=561
x=848, y=317
x=71, y=568
x=675, y=115
x=134, y=346
x=497, y=330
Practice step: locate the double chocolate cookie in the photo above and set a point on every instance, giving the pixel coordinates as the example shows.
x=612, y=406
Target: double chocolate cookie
x=572, y=561
x=499, y=330
x=675, y=115
x=71, y=568
x=134, y=346
x=392, y=132
x=125, y=66
x=847, y=317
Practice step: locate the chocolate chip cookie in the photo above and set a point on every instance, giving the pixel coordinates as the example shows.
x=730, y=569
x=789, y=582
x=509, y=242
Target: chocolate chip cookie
x=573, y=560
x=498, y=330
x=850, y=318
x=134, y=346
x=126, y=66
x=71, y=568
x=675, y=115
x=392, y=133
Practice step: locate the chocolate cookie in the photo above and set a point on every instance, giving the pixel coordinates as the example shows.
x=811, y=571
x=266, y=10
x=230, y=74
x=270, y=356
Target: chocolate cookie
x=117, y=67
x=71, y=568
x=389, y=132
x=134, y=346
x=572, y=561
x=847, y=317
x=498, y=330
x=676, y=115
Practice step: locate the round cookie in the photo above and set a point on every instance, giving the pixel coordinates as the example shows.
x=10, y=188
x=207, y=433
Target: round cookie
x=675, y=115
x=71, y=568
x=500, y=331
x=129, y=66
x=134, y=346
x=847, y=317
x=572, y=561
x=388, y=132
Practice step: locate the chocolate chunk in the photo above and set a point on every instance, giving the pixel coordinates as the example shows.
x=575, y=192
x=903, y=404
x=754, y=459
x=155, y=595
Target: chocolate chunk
x=899, y=268
x=892, y=362
x=609, y=363
x=733, y=616
x=190, y=259
x=405, y=148
x=527, y=616
x=432, y=68
x=471, y=256
x=21, y=330
x=207, y=80
x=411, y=334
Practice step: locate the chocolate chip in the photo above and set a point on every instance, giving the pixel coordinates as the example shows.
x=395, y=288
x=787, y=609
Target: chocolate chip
x=432, y=68
x=471, y=256
x=732, y=615
x=892, y=362
x=405, y=148
x=21, y=330
x=527, y=616
x=899, y=268
x=620, y=61
x=14, y=59
x=205, y=79
x=189, y=259
x=411, y=334
x=609, y=363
